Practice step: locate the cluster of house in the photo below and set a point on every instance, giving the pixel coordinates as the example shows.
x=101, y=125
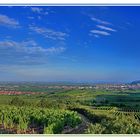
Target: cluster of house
x=17, y=92
x=11, y=90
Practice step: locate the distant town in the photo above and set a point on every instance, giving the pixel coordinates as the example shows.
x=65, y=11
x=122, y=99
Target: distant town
x=15, y=88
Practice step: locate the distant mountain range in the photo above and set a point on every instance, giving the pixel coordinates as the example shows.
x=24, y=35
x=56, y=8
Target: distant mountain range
x=135, y=82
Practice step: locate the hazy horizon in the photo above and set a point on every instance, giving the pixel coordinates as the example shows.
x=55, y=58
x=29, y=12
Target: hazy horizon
x=71, y=44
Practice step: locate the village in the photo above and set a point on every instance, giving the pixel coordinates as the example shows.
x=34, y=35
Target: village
x=9, y=89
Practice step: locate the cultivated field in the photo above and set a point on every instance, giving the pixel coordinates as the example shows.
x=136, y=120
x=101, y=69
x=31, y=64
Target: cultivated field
x=65, y=110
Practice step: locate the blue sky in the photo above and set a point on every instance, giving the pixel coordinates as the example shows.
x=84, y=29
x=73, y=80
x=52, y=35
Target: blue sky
x=70, y=43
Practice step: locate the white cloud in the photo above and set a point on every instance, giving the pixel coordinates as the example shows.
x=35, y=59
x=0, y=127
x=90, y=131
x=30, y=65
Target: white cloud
x=99, y=32
x=24, y=48
x=106, y=28
x=27, y=52
x=9, y=22
x=29, y=47
x=49, y=33
x=39, y=10
x=36, y=9
x=56, y=50
x=103, y=28
x=100, y=21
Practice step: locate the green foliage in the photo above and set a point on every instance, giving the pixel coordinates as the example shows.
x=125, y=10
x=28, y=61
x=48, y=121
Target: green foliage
x=95, y=129
x=111, y=122
x=54, y=120
x=54, y=128
x=109, y=112
x=43, y=103
x=22, y=124
x=17, y=101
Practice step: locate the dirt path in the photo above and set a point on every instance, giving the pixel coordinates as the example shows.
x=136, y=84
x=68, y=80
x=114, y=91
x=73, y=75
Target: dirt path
x=5, y=131
x=80, y=129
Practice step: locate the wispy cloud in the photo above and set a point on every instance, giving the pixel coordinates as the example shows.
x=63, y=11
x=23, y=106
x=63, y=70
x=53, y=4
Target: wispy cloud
x=99, y=32
x=39, y=10
x=30, y=17
x=20, y=46
x=29, y=47
x=55, y=50
x=26, y=52
x=102, y=28
x=106, y=28
x=8, y=22
x=36, y=9
x=100, y=21
x=49, y=33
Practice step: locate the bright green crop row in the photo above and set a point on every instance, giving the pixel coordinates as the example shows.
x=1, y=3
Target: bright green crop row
x=110, y=121
x=50, y=120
